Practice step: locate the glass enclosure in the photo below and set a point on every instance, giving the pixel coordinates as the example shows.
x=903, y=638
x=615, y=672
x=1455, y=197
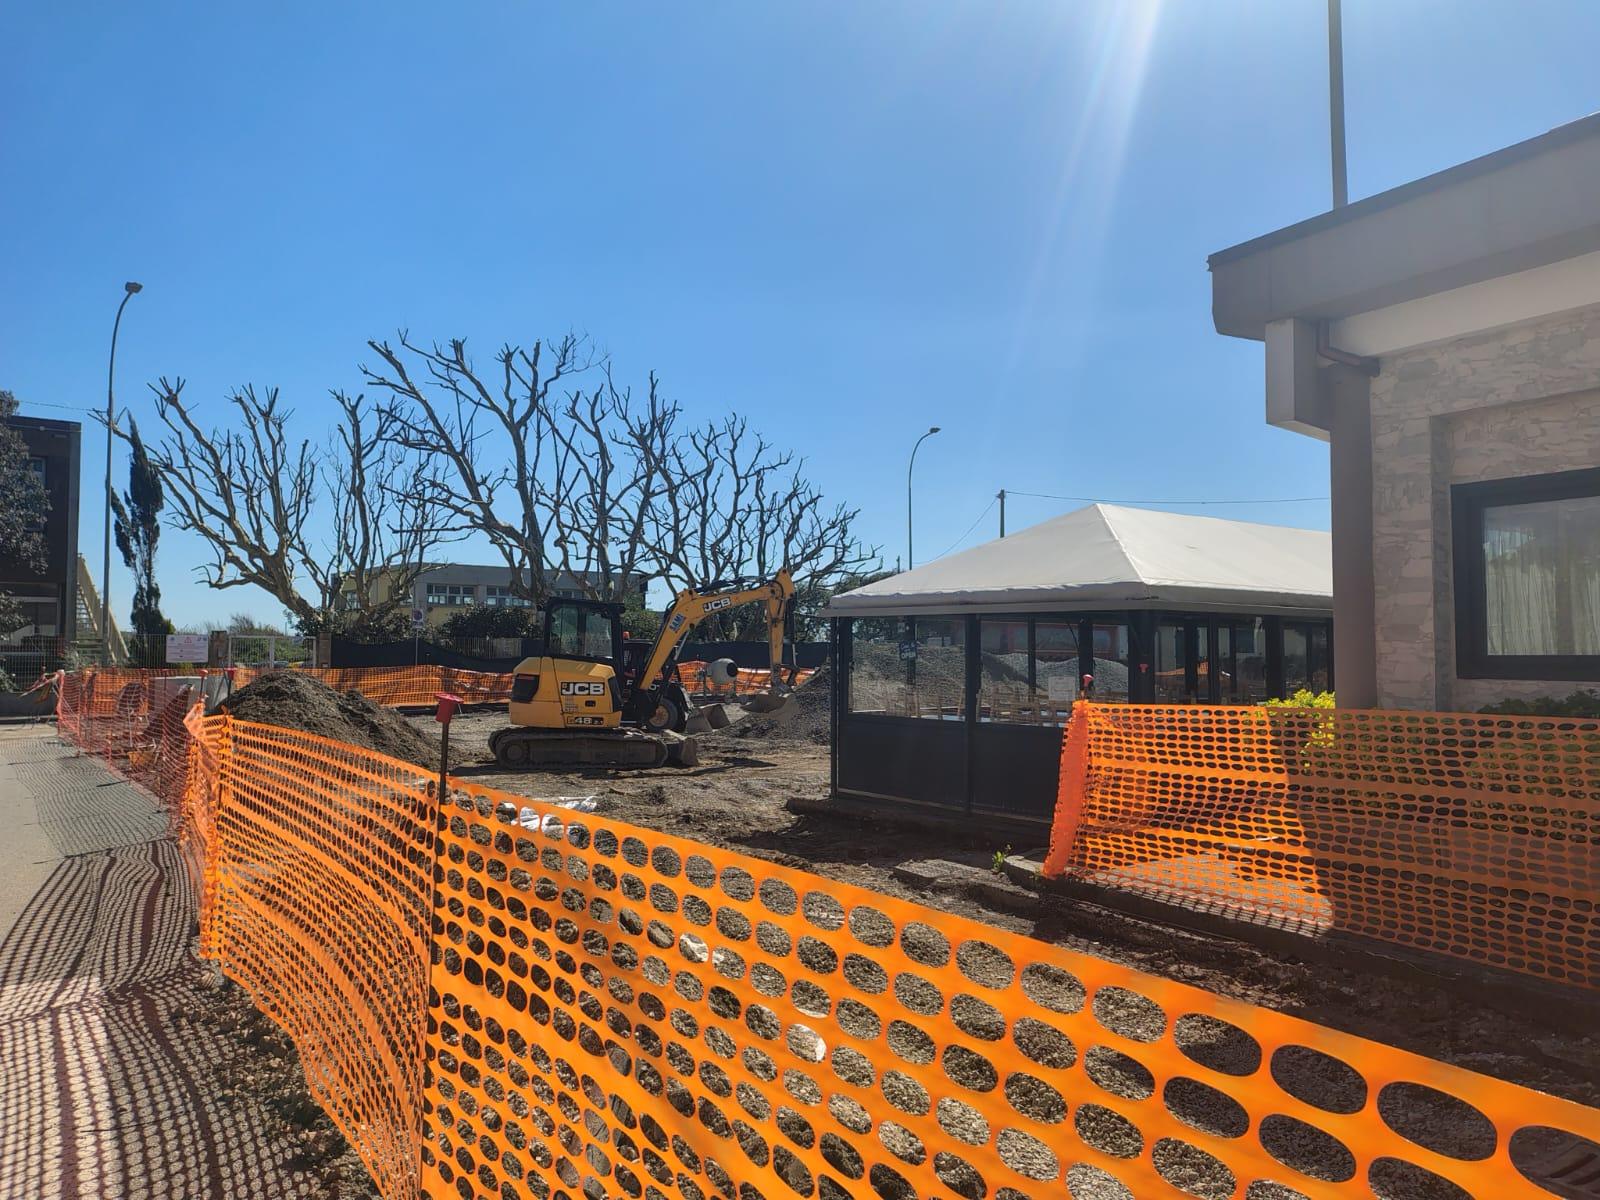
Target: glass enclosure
x=937, y=668
x=909, y=667
x=965, y=713
x=1027, y=670
x=1110, y=660
x=1305, y=657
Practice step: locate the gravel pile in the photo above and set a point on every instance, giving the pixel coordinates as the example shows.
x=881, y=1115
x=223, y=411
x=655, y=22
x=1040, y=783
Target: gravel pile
x=291, y=700
x=803, y=719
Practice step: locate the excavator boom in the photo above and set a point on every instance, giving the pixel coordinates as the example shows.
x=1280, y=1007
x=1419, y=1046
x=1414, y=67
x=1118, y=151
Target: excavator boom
x=691, y=606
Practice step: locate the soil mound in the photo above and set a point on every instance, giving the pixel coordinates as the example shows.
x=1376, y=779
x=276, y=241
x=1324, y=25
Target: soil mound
x=292, y=700
x=803, y=719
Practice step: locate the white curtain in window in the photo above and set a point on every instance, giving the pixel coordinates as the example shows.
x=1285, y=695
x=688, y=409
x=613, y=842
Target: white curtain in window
x=1542, y=577
x=1585, y=582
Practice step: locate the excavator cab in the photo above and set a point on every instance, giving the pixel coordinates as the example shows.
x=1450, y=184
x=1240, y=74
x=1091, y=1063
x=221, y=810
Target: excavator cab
x=570, y=705
x=591, y=631
x=586, y=629
x=591, y=697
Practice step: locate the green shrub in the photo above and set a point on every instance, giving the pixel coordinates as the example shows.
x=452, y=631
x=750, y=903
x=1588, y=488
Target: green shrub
x=1585, y=702
x=1304, y=698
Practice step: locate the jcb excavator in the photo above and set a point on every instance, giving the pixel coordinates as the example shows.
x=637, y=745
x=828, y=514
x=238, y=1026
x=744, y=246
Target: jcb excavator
x=582, y=703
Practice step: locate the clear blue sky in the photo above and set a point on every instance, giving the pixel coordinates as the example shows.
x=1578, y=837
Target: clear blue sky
x=845, y=220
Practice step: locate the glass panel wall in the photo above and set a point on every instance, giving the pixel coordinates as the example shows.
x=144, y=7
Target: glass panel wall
x=1306, y=660
x=1110, y=664
x=1296, y=652
x=939, y=668
x=1222, y=665
x=1250, y=661
x=1005, y=690
x=1057, y=666
x=1172, y=663
x=880, y=679
x=1029, y=667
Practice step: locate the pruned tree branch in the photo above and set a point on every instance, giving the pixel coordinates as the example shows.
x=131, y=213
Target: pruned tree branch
x=251, y=492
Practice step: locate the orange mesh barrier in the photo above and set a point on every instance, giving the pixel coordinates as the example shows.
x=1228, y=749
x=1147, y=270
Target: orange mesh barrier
x=401, y=687
x=692, y=675
x=321, y=912
x=580, y=1007
x=1458, y=834
x=617, y=1011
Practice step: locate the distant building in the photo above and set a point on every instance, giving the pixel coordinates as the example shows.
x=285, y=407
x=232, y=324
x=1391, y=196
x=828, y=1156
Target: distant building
x=49, y=597
x=443, y=588
x=1444, y=338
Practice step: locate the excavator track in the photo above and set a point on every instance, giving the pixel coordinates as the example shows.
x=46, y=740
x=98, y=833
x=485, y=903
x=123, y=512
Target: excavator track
x=522, y=748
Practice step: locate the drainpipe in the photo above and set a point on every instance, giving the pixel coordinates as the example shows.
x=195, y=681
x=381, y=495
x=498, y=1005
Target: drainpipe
x=1325, y=349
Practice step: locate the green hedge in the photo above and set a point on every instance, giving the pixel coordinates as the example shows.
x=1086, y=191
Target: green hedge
x=1585, y=702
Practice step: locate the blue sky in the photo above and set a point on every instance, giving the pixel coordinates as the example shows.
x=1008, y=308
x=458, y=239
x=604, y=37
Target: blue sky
x=846, y=221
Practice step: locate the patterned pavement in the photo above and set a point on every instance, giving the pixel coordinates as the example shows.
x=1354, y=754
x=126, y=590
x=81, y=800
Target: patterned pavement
x=105, y=1090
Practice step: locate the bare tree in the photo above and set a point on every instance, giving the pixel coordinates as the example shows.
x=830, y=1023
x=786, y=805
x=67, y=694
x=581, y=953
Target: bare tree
x=595, y=483
x=609, y=477
x=252, y=492
x=736, y=505
x=378, y=493
x=488, y=437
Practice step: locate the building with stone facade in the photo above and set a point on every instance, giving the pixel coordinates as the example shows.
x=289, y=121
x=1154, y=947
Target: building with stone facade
x=1444, y=339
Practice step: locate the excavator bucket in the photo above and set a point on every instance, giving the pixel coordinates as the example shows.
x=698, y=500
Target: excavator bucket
x=705, y=718
x=767, y=702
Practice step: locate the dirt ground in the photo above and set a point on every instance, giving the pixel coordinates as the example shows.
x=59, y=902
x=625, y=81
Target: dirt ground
x=738, y=795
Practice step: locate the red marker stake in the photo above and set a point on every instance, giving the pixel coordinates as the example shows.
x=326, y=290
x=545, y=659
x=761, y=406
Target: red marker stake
x=443, y=714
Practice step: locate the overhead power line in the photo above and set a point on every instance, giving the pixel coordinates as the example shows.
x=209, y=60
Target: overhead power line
x=1103, y=500
x=48, y=404
x=968, y=533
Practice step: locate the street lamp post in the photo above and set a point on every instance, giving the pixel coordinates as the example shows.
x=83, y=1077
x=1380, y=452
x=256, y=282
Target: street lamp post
x=130, y=290
x=910, y=558
x=1341, y=186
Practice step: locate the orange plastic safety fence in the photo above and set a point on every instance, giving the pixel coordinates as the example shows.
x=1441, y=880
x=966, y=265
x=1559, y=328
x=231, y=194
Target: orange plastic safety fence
x=746, y=680
x=615, y=1011
x=321, y=911
x=1460, y=834
x=608, y=1011
x=402, y=687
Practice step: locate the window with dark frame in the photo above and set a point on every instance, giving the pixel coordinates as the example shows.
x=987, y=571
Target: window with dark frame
x=1527, y=576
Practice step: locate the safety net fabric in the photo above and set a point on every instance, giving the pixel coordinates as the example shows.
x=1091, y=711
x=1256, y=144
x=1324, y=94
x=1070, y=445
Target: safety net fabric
x=1459, y=834
x=498, y=997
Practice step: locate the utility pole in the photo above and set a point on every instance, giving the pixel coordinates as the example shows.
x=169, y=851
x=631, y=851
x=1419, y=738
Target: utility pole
x=1001, y=496
x=1341, y=187
x=130, y=290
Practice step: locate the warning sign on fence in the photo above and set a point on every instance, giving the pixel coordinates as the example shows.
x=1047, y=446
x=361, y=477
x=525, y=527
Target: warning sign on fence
x=187, y=648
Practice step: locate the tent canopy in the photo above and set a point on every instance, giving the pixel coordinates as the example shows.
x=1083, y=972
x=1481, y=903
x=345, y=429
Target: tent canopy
x=1108, y=556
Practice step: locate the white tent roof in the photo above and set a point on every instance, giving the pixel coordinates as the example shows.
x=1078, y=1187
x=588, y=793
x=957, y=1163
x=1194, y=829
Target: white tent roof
x=1108, y=556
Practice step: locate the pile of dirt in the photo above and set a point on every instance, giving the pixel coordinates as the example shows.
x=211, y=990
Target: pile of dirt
x=804, y=719
x=292, y=700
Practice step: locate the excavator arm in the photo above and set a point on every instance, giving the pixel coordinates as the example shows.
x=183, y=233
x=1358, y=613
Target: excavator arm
x=691, y=607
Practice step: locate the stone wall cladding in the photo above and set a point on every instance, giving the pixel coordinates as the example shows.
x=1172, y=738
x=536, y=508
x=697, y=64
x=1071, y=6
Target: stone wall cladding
x=1518, y=401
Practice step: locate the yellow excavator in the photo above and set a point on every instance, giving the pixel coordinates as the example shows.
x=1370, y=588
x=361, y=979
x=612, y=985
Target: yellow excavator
x=591, y=700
